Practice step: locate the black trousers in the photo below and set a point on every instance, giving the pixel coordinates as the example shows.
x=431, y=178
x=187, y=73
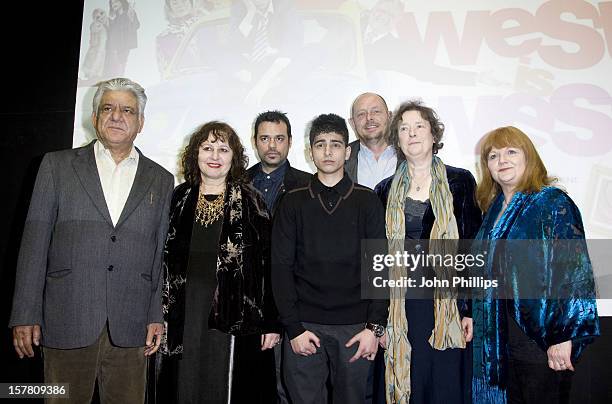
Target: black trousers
x=537, y=383
x=306, y=376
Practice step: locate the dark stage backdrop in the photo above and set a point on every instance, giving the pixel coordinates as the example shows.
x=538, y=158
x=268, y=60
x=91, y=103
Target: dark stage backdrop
x=40, y=63
x=40, y=58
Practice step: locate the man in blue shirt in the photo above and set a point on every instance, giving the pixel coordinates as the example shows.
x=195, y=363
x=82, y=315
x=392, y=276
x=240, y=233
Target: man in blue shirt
x=273, y=177
x=372, y=158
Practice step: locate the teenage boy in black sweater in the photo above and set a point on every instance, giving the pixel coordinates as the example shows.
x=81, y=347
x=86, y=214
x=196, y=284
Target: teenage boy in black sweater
x=316, y=279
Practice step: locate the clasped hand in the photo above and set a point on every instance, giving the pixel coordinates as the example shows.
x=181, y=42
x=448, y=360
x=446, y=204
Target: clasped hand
x=306, y=344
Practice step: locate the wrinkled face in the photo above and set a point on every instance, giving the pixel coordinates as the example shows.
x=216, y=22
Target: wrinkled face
x=272, y=144
x=328, y=152
x=370, y=117
x=415, y=138
x=507, y=166
x=214, y=159
x=117, y=121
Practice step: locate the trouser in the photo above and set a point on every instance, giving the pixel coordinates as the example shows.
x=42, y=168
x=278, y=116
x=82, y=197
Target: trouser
x=537, y=383
x=121, y=372
x=306, y=376
x=280, y=383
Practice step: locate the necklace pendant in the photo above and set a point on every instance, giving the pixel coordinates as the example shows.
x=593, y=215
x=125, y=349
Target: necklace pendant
x=418, y=188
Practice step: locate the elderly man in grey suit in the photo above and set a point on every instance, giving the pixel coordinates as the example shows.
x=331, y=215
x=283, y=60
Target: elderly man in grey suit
x=372, y=158
x=88, y=285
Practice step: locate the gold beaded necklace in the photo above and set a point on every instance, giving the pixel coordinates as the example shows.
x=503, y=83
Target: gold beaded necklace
x=209, y=212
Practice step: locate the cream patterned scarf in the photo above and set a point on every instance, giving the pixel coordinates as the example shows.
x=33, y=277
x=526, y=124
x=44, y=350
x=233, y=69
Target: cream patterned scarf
x=447, y=332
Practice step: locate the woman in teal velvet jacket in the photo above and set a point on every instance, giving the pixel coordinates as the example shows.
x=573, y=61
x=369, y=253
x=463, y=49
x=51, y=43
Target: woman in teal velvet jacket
x=525, y=347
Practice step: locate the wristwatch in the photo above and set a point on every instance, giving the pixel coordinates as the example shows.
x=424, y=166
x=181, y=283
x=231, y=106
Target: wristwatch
x=377, y=329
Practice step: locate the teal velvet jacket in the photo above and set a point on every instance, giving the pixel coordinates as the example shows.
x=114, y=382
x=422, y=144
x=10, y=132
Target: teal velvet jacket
x=550, y=282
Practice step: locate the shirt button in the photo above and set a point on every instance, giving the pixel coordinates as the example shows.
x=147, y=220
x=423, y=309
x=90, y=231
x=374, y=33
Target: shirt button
x=268, y=177
x=110, y=268
x=266, y=190
x=113, y=238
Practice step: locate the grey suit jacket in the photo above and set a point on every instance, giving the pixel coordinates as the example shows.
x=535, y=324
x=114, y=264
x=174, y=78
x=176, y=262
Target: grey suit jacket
x=75, y=269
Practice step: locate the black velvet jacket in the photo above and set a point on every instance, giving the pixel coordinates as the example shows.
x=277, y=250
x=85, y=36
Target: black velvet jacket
x=243, y=302
x=463, y=187
x=467, y=213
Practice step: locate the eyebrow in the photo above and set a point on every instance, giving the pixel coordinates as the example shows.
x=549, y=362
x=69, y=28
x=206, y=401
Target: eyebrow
x=111, y=104
x=207, y=143
x=330, y=141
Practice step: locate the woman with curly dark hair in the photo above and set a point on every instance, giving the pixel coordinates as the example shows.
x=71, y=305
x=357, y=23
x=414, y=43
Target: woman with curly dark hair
x=426, y=200
x=220, y=319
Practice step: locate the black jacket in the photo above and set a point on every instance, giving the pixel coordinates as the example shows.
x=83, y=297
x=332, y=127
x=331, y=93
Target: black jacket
x=469, y=217
x=350, y=165
x=463, y=188
x=294, y=178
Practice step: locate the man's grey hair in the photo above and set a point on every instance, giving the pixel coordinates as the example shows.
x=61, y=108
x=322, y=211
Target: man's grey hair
x=120, y=84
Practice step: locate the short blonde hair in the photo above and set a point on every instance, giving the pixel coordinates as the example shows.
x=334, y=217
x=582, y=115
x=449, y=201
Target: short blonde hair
x=534, y=178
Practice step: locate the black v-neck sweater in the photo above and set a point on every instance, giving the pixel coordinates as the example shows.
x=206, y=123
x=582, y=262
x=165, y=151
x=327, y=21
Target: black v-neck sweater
x=316, y=255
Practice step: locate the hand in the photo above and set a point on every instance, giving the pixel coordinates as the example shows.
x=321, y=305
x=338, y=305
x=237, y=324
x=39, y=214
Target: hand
x=382, y=341
x=467, y=325
x=23, y=337
x=368, y=345
x=305, y=344
x=154, y=333
x=269, y=341
x=559, y=356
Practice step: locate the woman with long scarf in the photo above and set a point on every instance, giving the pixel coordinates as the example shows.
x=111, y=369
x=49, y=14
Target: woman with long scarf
x=220, y=319
x=426, y=338
x=525, y=347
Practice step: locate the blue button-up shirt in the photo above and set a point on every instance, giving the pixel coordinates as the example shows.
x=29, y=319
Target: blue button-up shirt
x=371, y=171
x=269, y=184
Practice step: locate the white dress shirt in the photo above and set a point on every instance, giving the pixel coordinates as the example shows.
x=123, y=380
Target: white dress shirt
x=371, y=171
x=116, y=179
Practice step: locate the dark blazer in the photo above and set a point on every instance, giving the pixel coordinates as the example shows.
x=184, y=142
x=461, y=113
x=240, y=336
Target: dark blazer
x=294, y=178
x=467, y=213
x=76, y=271
x=351, y=166
x=463, y=188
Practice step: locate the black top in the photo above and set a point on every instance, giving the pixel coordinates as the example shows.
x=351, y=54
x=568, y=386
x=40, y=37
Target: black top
x=413, y=213
x=316, y=250
x=520, y=346
x=203, y=370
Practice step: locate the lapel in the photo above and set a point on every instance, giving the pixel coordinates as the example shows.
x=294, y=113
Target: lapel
x=142, y=182
x=86, y=171
x=350, y=165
